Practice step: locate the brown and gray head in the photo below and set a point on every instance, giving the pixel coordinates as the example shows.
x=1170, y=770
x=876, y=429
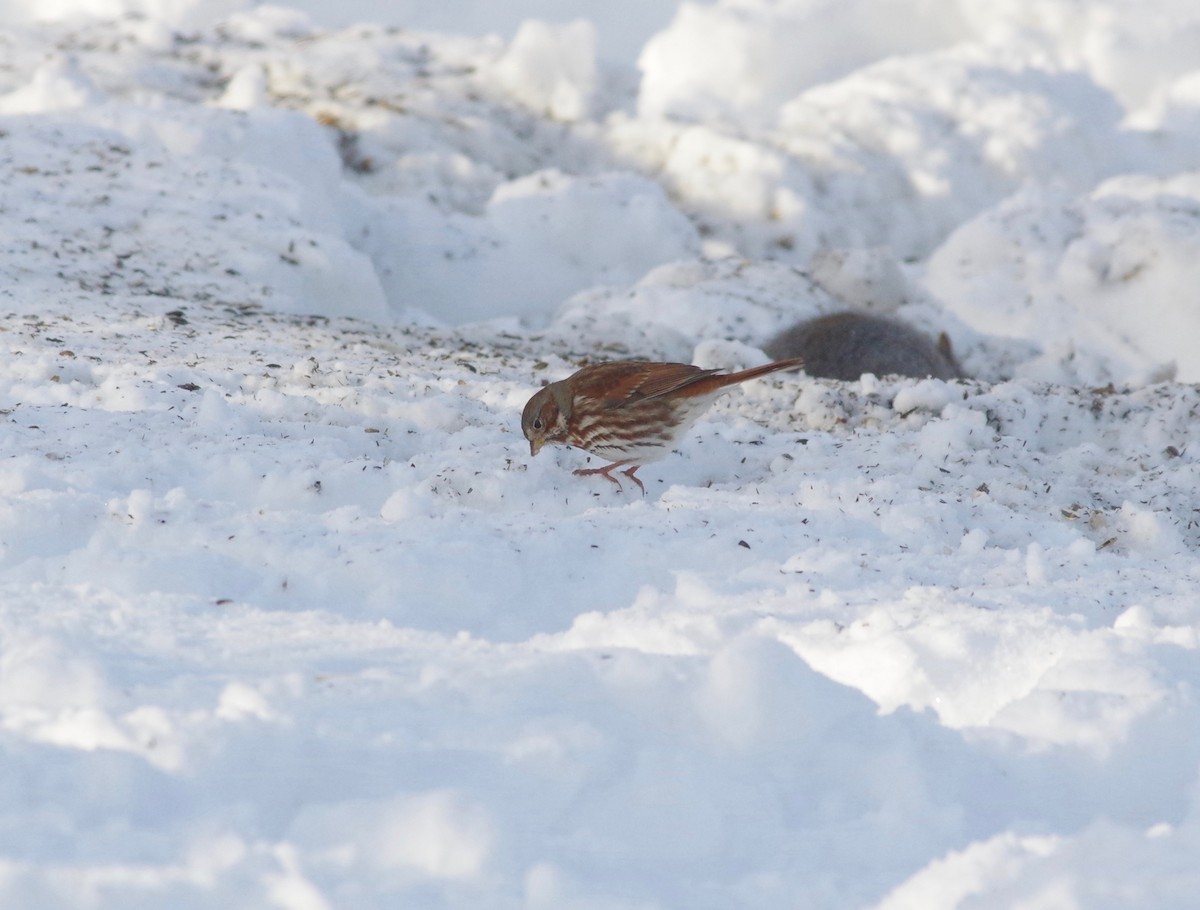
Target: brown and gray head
x=545, y=416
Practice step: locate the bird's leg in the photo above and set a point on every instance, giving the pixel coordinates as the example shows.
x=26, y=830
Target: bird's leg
x=629, y=473
x=607, y=470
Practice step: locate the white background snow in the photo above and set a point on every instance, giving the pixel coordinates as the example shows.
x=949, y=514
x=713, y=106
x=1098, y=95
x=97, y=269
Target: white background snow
x=288, y=616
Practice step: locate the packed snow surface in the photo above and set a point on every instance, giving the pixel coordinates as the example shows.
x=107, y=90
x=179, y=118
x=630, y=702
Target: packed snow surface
x=290, y=618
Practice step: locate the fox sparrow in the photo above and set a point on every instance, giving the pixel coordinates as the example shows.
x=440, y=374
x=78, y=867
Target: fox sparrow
x=628, y=411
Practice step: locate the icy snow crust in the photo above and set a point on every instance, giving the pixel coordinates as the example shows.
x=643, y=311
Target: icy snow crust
x=290, y=618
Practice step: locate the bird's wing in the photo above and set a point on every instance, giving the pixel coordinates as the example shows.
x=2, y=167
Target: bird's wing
x=666, y=378
x=626, y=382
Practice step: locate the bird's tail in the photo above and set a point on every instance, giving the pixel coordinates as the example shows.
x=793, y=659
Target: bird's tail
x=793, y=363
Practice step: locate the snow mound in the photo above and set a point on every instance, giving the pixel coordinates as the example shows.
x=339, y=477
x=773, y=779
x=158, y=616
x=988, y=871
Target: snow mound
x=1094, y=278
x=289, y=615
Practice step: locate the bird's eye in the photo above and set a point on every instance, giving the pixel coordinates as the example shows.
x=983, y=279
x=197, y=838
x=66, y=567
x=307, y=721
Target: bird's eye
x=537, y=423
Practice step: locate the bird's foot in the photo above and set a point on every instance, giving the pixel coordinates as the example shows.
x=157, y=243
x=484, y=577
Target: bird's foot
x=607, y=470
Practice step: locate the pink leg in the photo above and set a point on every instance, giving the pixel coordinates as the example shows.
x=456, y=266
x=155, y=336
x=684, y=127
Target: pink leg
x=629, y=474
x=607, y=470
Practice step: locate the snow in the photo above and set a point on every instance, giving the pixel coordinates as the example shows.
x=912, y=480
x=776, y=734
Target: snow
x=290, y=618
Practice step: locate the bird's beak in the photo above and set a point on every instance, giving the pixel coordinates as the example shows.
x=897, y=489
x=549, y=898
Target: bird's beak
x=535, y=446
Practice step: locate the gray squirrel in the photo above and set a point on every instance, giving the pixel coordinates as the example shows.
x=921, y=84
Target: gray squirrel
x=847, y=344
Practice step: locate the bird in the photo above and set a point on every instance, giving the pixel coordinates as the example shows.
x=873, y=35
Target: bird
x=628, y=411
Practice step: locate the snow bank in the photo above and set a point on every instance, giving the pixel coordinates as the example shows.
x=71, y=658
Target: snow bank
x=288, y=615
x=1096, y=279
x=539, y=240
x=552, y=70
x=741, y=60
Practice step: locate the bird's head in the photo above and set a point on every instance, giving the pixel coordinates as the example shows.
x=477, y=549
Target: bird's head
x=544, y=418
